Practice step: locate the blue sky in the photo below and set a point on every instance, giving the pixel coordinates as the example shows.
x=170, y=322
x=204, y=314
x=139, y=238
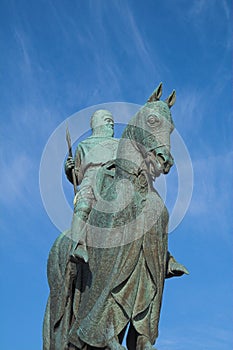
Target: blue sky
x=59, y=57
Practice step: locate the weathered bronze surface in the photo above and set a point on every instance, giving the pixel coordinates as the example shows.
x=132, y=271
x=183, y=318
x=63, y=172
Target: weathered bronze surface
x=108, y=271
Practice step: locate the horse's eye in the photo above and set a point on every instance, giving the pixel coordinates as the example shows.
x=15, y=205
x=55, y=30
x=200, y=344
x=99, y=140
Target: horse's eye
x=153, y=120
x=108, y=120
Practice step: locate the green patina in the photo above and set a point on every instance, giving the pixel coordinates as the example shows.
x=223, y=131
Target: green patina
x=121, y=283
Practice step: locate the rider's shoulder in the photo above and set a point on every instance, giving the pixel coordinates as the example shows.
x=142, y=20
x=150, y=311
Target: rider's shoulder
x=86, y=141
x=91, y=141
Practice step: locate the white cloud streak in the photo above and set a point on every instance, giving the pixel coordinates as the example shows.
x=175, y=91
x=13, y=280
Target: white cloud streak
x=210, y=10
x=211, y=204
x=209, y=339
x=20, y=38
x=138, y=40
x=16, y=176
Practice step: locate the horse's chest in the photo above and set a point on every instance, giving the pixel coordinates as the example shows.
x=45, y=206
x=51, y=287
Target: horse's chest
x=147, y=200
x=141, y=184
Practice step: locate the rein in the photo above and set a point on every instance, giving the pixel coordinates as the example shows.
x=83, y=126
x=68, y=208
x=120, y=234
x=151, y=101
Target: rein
x=145, y=153
x=127, y=167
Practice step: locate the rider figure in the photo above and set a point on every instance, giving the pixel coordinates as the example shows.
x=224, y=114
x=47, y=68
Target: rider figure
x=90, y=155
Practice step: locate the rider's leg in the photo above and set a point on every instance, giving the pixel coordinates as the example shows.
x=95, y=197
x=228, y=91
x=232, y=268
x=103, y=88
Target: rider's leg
x=81, y=213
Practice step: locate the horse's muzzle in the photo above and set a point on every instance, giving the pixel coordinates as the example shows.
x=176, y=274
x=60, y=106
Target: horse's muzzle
x=159, y=162
x=166, y=160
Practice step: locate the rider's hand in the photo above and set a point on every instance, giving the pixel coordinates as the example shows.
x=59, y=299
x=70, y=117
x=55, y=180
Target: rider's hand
x=69, y=164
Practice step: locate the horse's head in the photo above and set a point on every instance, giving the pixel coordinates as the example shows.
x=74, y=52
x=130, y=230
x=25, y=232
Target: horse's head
x=151, y=129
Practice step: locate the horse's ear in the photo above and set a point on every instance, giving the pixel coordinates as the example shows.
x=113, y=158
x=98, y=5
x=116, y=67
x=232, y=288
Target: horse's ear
x=156, y=94
x=171, y=99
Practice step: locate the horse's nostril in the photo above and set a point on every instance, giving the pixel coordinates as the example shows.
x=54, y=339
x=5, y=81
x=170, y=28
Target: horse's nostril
x=165, y=159
x=162, y=158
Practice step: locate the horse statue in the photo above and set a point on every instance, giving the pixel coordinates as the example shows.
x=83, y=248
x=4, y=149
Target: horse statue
x=92, y=305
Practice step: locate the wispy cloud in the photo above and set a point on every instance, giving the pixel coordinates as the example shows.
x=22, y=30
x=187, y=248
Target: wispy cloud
x=16, y=176
x=138, y=40
x=189, y=108
x=24, y=136
x=26, y=60
x=202, y=11
x=197, y=7
x=98, y=48
x=202, y=338
x=212, y=203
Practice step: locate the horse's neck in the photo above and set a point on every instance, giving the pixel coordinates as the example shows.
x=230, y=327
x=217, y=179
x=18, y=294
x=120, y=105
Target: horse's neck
x=128, y=151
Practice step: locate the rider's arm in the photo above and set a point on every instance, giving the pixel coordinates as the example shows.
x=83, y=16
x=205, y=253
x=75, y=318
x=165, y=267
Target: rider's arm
x=79, y=155
x=68, y=166
x=71, y=164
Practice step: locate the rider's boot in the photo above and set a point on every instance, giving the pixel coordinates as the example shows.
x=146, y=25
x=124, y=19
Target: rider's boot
x=174, y=268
